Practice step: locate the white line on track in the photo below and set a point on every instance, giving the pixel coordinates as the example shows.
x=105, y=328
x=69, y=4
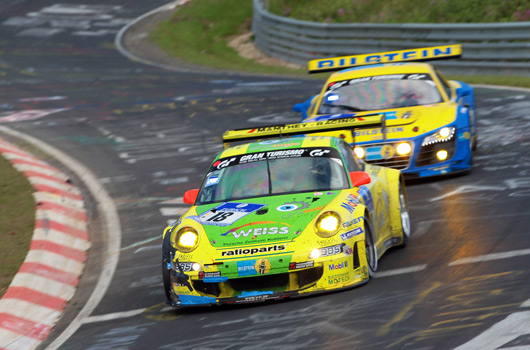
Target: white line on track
x=148, y=248
x=166, y=211
x=123, y=314
x=143, y=242
x=110, y=227
x=401, y=271
x=422, y=228
x=468, y=189
x=489, y=257
x=502, y=333
x=113, y=316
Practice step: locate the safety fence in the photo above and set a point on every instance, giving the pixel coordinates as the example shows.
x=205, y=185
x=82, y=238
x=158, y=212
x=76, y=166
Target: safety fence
x=488, y=48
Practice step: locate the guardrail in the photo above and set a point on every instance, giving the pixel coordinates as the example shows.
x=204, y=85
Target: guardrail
x=488, y=48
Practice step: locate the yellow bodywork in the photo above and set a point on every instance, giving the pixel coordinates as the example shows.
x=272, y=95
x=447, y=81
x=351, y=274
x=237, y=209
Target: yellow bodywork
x=376, y=205
x=410, y=121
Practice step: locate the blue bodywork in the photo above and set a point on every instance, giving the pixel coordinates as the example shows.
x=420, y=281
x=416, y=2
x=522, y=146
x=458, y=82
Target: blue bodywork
x=186, y=300
x=465, y=131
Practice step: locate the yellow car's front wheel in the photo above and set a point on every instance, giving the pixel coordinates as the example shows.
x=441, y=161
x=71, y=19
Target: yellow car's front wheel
x=371, y=250
x=165, y=280
x=404, y=216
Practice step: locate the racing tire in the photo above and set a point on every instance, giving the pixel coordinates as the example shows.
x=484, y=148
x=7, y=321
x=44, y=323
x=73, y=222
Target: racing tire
x=165, y=280
x=404, y=217
x=475, y=137
x=371, y=251
x=472, y=148
x=470, y=169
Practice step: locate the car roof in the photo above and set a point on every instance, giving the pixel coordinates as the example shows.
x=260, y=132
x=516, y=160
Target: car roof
x=382, y=69
x=280, y=144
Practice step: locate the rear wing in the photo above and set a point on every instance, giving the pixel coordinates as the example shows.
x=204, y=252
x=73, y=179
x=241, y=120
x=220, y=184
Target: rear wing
x=416, y=55
x=288, y=130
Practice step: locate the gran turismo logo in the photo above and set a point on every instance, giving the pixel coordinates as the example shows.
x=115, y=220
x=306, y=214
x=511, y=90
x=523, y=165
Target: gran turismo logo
x=318, y=152
x=223, y=164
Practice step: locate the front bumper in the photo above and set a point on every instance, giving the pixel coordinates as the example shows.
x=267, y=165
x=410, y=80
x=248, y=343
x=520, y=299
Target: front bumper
x=423, y=163
x=344, y=270
x=460, y=158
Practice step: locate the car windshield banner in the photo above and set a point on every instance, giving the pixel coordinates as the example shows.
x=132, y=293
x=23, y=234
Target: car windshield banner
x=279, y=154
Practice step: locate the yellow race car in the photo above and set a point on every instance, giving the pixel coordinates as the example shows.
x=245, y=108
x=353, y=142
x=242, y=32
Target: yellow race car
x=430, y=122
x=283, y=217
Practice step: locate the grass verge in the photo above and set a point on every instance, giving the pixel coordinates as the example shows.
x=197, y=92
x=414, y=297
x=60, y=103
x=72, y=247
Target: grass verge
x=403, y=11
x=199, y=32
x=17, y=220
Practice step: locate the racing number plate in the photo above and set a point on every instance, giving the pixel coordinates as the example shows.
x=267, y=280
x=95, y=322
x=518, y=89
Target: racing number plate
x=333, y=250
x=227, y=213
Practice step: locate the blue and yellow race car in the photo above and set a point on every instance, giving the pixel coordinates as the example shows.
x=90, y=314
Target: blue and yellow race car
x=430, y=122
x=283, y=217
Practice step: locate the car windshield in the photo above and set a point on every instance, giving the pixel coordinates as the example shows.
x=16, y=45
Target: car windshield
x=273, y=173
x=379, y=92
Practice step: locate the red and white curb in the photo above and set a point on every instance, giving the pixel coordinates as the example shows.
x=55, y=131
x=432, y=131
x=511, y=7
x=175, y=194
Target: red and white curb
x=47, y=279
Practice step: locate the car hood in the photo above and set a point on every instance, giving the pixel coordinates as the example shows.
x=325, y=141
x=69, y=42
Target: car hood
x=400, y=123
x=399, y=116
x=261, y=220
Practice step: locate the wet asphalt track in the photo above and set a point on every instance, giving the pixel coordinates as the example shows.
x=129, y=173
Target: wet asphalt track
x=149, y=135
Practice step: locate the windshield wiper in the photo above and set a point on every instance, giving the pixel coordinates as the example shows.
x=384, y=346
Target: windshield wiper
x=348, y=108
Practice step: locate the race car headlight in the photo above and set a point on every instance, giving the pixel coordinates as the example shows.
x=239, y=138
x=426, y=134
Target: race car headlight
x=315, y=254
x=187, y=239
x=442, y=154
x=403, y=148
x=327, y=224
x=442, y=135
x=359, y=152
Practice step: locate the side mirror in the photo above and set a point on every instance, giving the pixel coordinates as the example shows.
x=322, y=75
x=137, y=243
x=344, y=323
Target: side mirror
x=359, y=178
x=464, y=93
x=190, y=196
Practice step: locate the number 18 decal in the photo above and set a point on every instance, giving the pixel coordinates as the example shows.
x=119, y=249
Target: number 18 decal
x=227, y=213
